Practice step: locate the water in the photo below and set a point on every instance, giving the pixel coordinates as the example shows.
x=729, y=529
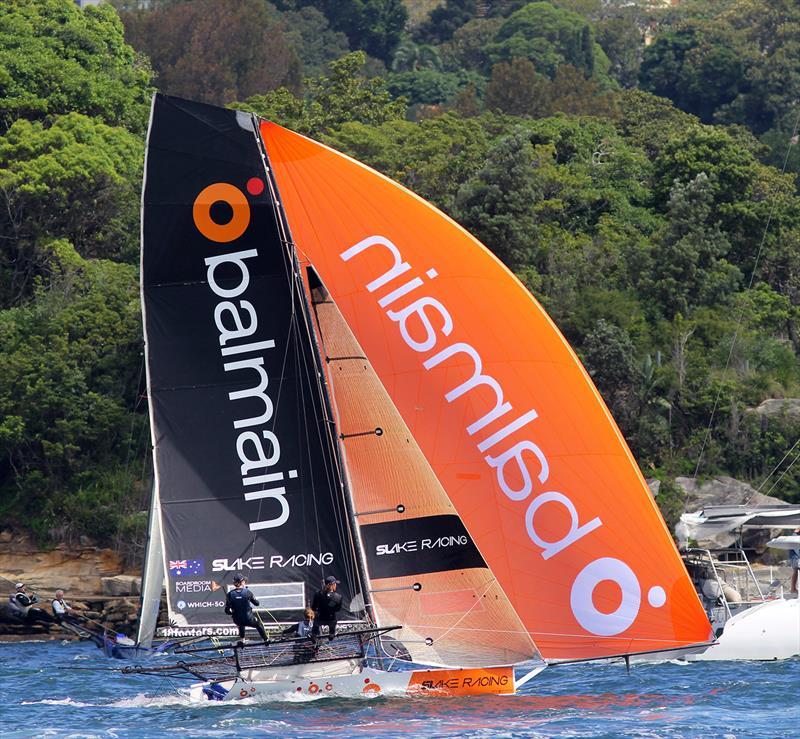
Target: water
x=40, y=697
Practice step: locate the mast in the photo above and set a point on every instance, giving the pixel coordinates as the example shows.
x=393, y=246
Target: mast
x=330, y=423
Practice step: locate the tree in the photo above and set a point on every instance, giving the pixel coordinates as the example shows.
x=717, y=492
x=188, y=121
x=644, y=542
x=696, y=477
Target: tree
x=445, y=19
x=497, y=204
x=467, y=48
x=621, y=39
x=56, y=59
x=215, y=51
x=374, y=26
x=77, y=179
x=313, y=40
x=700, y=67
x=549, y=37
x=69, y=373
x=344, y=95
x=608, y=356
x=433, y=157
x=690, y=266
x=517, y=89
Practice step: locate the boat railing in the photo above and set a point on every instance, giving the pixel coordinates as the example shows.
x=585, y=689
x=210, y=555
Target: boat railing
x=736, y=585
x=224, y=662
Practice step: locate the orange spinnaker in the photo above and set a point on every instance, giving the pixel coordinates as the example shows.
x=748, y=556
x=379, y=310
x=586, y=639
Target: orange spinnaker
x=497, y=401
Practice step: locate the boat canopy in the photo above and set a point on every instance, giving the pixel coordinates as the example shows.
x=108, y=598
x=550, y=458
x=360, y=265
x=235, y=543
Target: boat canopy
x=721, y=519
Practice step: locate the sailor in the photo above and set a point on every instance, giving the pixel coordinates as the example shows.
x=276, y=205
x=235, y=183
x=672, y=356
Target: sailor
x=62, y=611
x=23, y=603
x=326, y=606
x=302, y=628
x=238, y=606
x=794, y=563
x=304, y=651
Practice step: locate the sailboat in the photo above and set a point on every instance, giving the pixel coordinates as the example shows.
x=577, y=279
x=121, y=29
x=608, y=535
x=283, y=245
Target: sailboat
x=343, y=381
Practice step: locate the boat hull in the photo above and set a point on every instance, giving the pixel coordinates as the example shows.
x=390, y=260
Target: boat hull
x=364, y=682
x=767, y=631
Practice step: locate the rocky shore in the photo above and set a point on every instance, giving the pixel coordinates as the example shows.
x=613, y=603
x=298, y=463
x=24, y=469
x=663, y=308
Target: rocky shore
x=94, y=581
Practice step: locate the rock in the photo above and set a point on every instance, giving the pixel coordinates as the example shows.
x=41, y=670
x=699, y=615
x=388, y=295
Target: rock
x=5, y=536
x=121, y=585
x=790, y=407
x=728, y=491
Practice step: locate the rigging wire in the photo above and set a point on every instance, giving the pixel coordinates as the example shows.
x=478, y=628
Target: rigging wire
x=792, y=142
x=797, y=456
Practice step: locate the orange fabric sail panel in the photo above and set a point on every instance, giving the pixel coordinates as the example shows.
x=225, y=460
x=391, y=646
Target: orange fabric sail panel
x=499, y=405
x=425, y=572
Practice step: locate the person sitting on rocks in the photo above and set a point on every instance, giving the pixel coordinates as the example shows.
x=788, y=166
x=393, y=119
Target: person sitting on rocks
x=23, y=603
x=62, y=611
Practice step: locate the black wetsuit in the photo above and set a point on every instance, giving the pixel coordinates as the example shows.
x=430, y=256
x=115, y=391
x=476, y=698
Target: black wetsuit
x=23, y=605
x=326, y=605
x=238, y=605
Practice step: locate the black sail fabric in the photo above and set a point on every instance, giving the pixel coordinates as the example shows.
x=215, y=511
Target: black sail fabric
x=245, y=467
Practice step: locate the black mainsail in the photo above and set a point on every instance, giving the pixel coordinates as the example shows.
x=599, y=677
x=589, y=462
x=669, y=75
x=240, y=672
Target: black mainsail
x=245, y=464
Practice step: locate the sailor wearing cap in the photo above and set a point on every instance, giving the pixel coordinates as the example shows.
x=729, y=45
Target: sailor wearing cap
x=326, y=605
x=238, y=606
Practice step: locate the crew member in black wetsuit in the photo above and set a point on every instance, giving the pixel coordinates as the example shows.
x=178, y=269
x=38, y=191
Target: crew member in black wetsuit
x=23, y=604
x=326, y=605
x=238, y=606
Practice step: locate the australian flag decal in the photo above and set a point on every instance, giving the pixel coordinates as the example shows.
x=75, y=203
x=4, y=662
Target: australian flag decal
x=181, y=567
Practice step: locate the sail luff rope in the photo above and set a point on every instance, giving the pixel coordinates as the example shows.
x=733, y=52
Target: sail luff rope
x=740, y=316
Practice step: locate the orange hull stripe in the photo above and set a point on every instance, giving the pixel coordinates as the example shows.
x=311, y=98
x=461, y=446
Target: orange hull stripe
x=489, y=680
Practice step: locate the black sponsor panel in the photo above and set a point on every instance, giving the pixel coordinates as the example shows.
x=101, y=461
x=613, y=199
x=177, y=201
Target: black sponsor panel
x=236, y=405
x=417, y=546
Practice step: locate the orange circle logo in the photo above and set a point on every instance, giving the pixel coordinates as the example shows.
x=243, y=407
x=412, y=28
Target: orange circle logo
x=221, y=192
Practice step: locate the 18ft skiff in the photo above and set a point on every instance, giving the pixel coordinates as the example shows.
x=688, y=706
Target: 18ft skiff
x=343, y=381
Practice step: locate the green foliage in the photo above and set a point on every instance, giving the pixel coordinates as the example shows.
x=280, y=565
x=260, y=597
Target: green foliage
x=374, y=26
x=689, y=265
x=313, y=40
x=77, y=179
x=731, y=62
x=549, y=37
x=69, y=373
x=698, y=67
x=57, y=59
x=425, y=86
x=446, y=19
x=344, y=95
x=671, y=501
x=215, y=51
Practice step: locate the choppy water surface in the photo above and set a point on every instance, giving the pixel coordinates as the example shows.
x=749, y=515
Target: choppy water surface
x=40, y=696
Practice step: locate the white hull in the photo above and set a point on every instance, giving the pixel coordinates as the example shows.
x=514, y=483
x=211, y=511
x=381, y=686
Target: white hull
x=767, y=631
x=359, y=682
